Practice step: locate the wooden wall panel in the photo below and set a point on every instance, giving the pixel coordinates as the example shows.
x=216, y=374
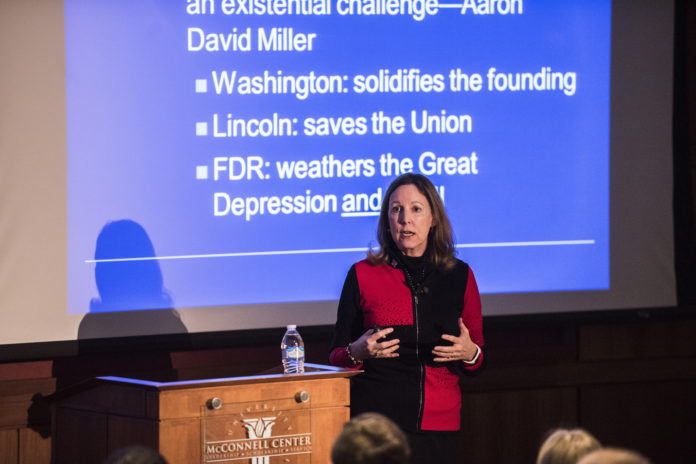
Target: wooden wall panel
x=9, y=446
x=34, y=446
x=657, y=339
x=21, y=402
x=507, y=426
x=25, y=446
x=657, y=419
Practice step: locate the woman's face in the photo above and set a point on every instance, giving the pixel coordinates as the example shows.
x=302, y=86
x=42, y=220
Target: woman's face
x=410, y=219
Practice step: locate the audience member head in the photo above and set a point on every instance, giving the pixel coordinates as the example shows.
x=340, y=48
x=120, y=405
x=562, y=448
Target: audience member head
x=370, y=438
x=135, y=455
x=566, y=446
x=613, y=456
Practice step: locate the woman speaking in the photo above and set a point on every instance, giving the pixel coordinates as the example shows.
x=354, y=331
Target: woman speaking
x=410, y=317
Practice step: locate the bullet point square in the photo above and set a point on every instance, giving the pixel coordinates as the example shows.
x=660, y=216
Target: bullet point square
x=201, y=85
x=201, y=172
x=201, y=128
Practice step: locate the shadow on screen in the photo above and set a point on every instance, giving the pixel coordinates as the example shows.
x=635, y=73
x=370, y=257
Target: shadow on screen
x=132, y=298
x=132, y=307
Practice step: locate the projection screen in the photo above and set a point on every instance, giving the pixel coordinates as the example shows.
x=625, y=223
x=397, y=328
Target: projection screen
x=198, y=166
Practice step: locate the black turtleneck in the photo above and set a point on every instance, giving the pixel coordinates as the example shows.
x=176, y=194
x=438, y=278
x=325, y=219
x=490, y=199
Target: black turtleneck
x=415, y=266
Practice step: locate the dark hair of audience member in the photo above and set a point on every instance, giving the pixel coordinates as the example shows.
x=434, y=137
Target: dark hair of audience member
x=135, y=455
x=371, y=438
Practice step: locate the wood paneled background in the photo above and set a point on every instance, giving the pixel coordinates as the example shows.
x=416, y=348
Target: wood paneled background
x=632, y=383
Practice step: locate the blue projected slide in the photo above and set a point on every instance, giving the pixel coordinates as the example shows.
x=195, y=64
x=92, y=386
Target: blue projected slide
x=240, y=149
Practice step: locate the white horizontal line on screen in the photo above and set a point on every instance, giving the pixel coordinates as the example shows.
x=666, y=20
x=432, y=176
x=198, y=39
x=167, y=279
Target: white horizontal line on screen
x=521, y=244
x=450, y=5
x=333, y=250
x=361, y=214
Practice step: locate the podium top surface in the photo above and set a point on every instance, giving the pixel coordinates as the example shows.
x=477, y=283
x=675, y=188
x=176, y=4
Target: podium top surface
x=312, y=372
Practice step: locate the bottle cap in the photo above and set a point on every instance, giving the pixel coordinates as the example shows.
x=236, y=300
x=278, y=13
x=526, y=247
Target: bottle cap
x=291, y=326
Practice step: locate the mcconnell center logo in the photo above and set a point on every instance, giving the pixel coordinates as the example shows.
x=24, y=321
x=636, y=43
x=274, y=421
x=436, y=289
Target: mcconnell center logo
x=260, y=445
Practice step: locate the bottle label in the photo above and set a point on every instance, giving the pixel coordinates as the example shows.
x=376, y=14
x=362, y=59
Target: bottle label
x=295, y=352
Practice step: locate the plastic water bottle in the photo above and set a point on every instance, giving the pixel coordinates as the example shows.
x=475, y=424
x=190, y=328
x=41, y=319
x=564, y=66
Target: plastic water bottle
x=292, y=349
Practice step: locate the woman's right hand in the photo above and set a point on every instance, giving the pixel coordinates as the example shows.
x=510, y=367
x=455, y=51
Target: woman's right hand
x=369, y=345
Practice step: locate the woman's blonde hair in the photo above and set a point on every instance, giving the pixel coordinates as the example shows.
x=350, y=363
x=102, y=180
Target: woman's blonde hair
x=566, y=446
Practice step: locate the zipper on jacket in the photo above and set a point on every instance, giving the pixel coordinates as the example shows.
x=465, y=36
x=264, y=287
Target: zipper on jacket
x=421, y=365
x=421, y=378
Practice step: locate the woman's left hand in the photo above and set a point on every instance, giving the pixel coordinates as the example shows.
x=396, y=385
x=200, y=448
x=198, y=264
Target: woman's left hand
x=462, y=348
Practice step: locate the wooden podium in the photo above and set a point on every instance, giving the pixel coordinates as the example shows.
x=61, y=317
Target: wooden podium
x=263, y=419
